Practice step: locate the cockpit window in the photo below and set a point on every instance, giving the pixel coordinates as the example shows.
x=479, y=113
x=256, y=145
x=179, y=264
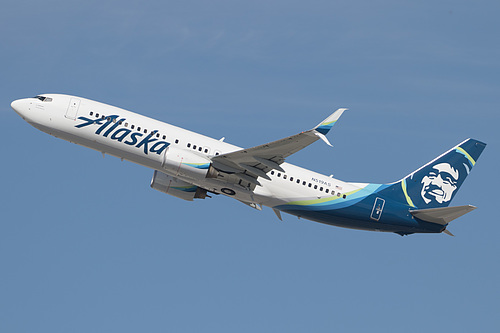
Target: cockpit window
x=44, y=99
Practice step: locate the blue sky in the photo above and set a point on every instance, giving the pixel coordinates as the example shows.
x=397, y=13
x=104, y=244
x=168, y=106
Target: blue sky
x=87, y=246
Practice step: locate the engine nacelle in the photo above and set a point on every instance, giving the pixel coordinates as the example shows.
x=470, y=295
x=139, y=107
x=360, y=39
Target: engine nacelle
x=176, y=187
x=185, y=163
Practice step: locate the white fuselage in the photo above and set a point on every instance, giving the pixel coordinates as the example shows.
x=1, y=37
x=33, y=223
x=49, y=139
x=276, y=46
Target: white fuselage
x=62, y=114
x=189, y=166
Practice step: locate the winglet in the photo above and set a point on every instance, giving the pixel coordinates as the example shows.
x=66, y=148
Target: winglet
x=326, y=125
x=322, y=137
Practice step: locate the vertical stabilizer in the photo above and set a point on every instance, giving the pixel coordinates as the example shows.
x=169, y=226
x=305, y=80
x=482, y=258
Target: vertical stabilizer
x=436, y=183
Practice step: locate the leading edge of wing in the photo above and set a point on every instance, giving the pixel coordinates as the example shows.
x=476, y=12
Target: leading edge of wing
x=270, y=155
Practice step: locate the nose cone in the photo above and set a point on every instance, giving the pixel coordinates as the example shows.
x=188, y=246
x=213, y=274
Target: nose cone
x=21, y=106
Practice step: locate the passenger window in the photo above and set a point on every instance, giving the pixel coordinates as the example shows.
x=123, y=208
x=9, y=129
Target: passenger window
x=194, y=147
x=206, y=150
x=298, y=181
x=164, y=137
x=188, y=145
x=321, y=188
x=279, y=174
x=145, y=131
x=291, y=179
x=97, y=115
x=304, y=183
x=91, y=113
x=272, y=172
x=327, y=190
x=344, y=196
x=315, y=187
x=132, y=127
x=120, y=122
x=157, y=135
x=138, y=129
x=126, y=124
x=310, y=184
x=338, y=194
x=200, y=148
x=217, y=153
x=176, y=140
x=284, y=176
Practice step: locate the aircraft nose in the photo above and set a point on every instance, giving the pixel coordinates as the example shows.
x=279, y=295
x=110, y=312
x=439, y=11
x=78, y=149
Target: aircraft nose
x=20, y=106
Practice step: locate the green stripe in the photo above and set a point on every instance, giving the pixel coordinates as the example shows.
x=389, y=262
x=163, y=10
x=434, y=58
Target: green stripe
x=408, y=199
x=466, y=155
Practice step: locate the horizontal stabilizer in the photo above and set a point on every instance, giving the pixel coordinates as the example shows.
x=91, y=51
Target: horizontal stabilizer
x=443, y=215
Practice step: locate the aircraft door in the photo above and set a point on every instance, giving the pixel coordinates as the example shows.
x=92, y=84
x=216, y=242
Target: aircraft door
x=73, y=107
x=378, y=207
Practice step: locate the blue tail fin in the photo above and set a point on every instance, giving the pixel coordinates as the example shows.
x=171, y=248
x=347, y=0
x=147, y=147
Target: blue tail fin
x=436, y=183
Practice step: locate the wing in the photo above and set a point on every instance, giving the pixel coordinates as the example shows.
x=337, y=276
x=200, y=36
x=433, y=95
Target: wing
x=251, y=163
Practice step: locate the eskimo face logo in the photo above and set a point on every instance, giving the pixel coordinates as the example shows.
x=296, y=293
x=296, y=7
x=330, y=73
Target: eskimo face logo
x=439, y=184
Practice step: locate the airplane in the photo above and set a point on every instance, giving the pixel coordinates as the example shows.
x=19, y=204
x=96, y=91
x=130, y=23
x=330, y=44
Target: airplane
x=191, y=166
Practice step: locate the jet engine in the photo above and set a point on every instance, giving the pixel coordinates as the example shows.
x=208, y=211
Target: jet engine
x=186, y=164
x=176, y=187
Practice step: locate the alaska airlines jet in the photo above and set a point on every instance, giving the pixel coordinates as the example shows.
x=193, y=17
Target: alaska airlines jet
x=191, y=166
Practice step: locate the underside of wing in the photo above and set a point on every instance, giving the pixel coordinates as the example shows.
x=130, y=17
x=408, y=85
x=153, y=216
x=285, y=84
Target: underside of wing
x=246, y=165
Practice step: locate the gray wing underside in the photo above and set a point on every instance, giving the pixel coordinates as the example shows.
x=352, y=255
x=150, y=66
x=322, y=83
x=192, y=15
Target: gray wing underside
x=248, y=164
